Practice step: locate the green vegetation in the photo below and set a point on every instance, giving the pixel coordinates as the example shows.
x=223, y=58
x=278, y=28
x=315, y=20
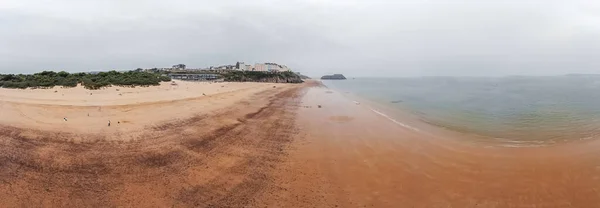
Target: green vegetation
x=48, y=79
x=197, y=72
x=258, y=76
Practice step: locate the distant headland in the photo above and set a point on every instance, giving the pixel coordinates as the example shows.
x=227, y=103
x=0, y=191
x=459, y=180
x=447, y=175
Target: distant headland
x=335, y=76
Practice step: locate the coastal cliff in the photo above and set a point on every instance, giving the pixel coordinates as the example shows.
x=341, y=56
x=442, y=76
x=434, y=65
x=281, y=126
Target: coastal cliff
x=258, y=76
x=335, y=76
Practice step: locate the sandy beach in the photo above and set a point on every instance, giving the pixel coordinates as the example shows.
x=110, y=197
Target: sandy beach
x=130, y=110
x=263, y=145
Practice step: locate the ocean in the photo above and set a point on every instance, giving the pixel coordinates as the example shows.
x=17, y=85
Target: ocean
x=516, y=108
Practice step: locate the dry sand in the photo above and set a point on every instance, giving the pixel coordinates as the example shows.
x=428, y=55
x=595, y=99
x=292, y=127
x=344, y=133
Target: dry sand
x=252, y=145
x=130, y=110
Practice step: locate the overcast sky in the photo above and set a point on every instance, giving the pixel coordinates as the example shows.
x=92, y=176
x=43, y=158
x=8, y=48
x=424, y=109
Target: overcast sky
x=358, y=38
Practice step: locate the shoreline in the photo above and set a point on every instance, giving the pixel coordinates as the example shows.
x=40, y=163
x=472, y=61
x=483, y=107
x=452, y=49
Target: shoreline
x=405, y=116
x=398, y=166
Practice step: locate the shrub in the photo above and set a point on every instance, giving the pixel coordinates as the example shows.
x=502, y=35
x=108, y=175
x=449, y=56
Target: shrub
x=47, y=79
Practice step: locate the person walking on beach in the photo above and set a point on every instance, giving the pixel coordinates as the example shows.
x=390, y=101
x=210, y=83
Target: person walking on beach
x=109, y=123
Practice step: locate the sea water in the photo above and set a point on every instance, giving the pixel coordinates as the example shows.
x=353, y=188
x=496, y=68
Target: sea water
x=528, y=109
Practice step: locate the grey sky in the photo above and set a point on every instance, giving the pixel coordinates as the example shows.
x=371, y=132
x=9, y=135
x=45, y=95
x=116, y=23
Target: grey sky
x=358, y=38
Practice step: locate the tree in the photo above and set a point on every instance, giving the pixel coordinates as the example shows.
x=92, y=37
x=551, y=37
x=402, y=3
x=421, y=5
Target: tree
x=63, y=74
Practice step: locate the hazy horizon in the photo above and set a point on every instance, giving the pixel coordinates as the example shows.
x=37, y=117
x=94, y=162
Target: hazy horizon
x=356, y=38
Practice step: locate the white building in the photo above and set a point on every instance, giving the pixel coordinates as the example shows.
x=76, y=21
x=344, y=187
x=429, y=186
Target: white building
x=269, y=67
x=272, y=67
x=260, y=67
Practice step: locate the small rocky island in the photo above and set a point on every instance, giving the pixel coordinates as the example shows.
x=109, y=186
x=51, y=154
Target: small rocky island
x=335, y=76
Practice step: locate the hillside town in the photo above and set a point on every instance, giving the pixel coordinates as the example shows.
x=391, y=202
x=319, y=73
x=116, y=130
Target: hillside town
x=238, y=66
x=262, y=72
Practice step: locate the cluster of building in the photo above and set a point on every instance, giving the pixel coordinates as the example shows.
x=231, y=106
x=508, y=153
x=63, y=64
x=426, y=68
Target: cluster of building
x=181, y=72
x=268, y=67
x=265, y=67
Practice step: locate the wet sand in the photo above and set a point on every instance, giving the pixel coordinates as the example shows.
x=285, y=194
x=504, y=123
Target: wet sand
x=354, y=157
x=273, y=147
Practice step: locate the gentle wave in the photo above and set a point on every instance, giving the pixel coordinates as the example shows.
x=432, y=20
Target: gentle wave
x=529, y=109
x=395, y=121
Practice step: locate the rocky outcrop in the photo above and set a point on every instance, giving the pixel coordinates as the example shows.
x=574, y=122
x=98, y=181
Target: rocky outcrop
x=335, y=76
